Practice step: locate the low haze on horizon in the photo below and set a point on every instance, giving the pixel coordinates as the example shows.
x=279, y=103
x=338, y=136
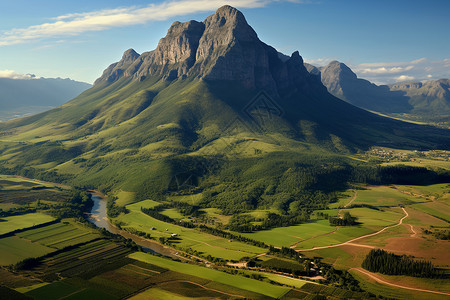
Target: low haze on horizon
x=382, y=41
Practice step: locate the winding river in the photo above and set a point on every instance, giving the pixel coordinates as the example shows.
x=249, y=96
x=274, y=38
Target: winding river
x=99, y=217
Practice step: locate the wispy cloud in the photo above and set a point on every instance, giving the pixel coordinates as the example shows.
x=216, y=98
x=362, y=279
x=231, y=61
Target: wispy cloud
x=390, y=72
x=403, y=78
x=14, y=75
x=78, y=23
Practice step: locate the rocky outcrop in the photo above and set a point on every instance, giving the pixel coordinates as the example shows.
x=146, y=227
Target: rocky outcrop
x=343, y=83
x=428, y=97
x=223, y=47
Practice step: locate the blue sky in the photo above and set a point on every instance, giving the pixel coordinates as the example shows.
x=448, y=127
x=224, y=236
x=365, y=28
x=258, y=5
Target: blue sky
x=383, y=41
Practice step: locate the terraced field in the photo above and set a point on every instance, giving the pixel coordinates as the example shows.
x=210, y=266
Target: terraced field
x=59, y=235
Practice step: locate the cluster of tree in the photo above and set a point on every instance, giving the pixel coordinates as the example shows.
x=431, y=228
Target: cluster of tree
x=31, y=172
x=14, y=211
x=114, y=210
x=439, y=234
x=244, y=223
x=231, y=236
x=155, y=213
x=339, y=278
x=346, y=220
x=384, y=262
x=78, y=202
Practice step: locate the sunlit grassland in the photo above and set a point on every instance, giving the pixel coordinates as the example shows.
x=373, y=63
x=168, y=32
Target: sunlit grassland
x=12, y=223
x=435, y=208
x=125, y=198
x=342, y=235
x=376, y=288
x=216, y=214
x=384, y=196
x=188, y=238
x=14, y=249
x=221, y=277
x=142, y=204
x=286, y=236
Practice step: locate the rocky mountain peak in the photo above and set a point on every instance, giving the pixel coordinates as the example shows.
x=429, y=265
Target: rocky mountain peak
x=222, y=47
x=129, y=56
x=338, y=69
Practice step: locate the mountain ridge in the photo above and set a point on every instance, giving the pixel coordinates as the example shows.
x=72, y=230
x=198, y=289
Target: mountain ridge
x=256, y=117
x=415, y=98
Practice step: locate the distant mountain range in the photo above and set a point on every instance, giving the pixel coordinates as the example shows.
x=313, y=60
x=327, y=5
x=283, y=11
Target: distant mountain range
x=429, y=100
x=212, y=104
x=19, y=97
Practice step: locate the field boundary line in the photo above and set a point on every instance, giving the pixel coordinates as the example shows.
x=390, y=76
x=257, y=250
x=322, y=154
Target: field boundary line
x=361, y=237
x=377, y=279
x=202, y=286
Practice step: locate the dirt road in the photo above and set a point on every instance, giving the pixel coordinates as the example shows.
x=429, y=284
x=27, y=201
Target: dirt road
x=383, y=281
x=361, y=237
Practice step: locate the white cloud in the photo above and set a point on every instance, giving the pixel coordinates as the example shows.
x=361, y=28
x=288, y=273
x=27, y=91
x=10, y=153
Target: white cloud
x=402, y=78
x=319, y=62
x=14, y=75
x=390, y=72
x=78, y=23
x=421, y=69
x=384, y=70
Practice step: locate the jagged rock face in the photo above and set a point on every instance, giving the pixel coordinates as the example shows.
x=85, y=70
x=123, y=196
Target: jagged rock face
x=343, y=83
x=433, y=88
x=174, y=55
x=312, y=69
x=334, y=75
x=223, y=47
x=431, y=96
x=116, y=70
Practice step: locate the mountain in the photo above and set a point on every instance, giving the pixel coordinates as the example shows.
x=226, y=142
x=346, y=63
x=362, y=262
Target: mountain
x=213, y=106
x=429, y=100
x=428, y=97
x=26, y=96
x=343, y=83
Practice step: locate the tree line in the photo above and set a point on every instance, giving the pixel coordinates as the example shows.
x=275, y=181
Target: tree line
x=388, y=263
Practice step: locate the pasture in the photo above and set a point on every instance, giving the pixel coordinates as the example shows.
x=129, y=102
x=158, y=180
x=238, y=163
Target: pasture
x=210, y=274
x=435, y=208
x=286, y=236
x=9, y=224
x=384, y=196
x=14, y=249
x=201, y=242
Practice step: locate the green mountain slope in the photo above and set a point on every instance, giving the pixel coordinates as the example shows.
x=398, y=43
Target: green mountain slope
x=214, y=108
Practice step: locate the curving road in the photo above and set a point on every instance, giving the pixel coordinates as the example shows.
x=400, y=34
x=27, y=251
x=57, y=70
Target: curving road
x=380, y=280
x=361, y=237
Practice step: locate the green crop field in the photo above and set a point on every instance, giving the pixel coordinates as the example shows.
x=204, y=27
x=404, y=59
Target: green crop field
x=376, y=219
x=343, y=234
x=12, y=223
x=14, y=249
x=125, y=198
x=144, y=204
x=55, y=290
x=236, y=281
x=437, y=209
x=384, y=196
x=159, y=294
x=172, y=213
x=286, y=236
x=188, y=238
x=392, y=292
x=59, y=235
